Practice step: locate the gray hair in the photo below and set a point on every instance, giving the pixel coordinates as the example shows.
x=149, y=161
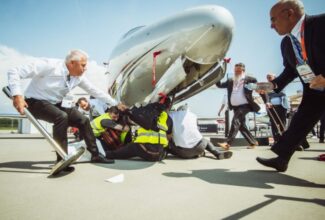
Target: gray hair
x=297, y=5
x=76, y=55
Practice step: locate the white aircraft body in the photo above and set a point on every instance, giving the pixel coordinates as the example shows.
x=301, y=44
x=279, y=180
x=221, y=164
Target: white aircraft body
x=179, y=56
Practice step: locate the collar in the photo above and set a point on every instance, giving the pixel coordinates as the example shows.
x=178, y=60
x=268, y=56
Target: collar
x=297, y=28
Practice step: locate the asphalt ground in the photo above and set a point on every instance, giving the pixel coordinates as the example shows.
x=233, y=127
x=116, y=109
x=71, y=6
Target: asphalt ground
x=203, y=188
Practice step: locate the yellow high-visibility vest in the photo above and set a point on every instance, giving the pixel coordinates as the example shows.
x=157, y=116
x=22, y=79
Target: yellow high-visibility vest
x=153, y=137
x=123, y=136
x=96, y=125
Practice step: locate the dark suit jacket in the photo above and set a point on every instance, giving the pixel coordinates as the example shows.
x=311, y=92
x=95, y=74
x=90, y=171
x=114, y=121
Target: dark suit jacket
x=315, y=47
x=248, y=93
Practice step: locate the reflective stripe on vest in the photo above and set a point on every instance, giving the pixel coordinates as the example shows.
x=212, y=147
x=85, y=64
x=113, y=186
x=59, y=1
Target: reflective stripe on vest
x=123, y=136
x=152, y=137
x=96, y=125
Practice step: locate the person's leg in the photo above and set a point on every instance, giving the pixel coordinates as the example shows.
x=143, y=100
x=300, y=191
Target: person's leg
x=278, y=122
x=243, y=128
x=274, y=128
x=322, y=129
x=235, y=124
x=146, y=151
x=48, y=112
x=76, y=119
x=214, y=150
x=187, y=153
x=302, y=123
x=309, y=112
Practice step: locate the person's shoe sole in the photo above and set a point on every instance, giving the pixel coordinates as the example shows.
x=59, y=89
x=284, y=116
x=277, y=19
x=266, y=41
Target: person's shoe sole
x=224, y=155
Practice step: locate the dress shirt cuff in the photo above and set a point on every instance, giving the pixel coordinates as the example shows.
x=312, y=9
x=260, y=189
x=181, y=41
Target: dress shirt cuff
x=15, y=91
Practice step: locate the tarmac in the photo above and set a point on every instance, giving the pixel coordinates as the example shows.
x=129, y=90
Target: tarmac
x=203, y=188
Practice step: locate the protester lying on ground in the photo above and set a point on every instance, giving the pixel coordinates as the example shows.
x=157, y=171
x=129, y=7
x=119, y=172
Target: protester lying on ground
x=188, y=142
x=109, y=130
x=150, y=141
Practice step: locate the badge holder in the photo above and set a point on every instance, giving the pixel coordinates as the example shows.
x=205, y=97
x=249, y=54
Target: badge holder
x=67, y=102
x=67, y=159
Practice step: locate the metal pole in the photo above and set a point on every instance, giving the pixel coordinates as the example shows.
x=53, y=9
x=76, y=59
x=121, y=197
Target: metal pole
x=48, y=137
x=39, y=127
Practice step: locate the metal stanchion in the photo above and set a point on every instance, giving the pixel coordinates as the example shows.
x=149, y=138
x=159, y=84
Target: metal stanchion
x=67, y=159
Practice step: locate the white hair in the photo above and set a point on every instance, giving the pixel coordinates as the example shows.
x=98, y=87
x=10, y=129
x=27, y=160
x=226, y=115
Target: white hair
x=76, y=55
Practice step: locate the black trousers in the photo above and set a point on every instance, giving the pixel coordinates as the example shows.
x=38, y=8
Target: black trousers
x=239, y=124
x=281, y=112
x=310, y=111
x=149, y=152
x=322, y=128
x=62, y=118
x=189, y=153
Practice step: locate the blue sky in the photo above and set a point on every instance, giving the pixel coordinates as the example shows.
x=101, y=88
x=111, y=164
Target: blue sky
x=51, y=28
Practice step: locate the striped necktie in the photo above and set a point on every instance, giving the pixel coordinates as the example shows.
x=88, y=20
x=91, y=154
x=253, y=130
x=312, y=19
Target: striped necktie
x=297, y=49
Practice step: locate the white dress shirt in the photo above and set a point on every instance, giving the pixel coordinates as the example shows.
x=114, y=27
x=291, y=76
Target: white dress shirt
x=185, y=131
x=238, y=96
x=50, y=82
x=296, y=31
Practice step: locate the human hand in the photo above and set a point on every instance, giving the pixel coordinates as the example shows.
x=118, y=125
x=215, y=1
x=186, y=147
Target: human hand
x=122, y=107
x=269, y=105
x=317, y=82
x=19, y=103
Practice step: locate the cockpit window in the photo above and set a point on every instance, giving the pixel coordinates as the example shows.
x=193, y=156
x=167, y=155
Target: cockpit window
x=132, y=31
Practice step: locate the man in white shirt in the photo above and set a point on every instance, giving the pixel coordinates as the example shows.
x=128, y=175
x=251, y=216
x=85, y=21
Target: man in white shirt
x=48, y=97
x=187, y=140
x=240, y=99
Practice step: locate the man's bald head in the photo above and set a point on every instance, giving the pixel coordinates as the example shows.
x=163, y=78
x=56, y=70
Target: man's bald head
x=285, y=14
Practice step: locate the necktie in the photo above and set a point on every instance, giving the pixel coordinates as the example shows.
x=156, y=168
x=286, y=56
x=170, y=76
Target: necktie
x=297, y=49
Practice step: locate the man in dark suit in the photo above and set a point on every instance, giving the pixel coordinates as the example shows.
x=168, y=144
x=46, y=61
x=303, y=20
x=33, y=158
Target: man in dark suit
x=240, y=100
x=288, y=18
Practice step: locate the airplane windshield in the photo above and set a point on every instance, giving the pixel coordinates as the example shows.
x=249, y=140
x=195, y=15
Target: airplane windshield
x=132, y=31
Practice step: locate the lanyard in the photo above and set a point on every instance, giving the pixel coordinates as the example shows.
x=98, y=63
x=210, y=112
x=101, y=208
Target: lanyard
x=299, y=48
x=68, y=82
x=302, y=37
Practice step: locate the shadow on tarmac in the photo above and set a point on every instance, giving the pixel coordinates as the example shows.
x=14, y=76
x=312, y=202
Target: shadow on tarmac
x=28, y=166
x=130, y=164
x=250, y=178
x=271, y=199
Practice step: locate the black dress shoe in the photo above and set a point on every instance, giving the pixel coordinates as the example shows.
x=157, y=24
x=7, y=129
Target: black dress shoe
x=68, y=169
x=321, y=141
x=222, y=155
x=101, y=159
x=276, y=163
x=300, y=148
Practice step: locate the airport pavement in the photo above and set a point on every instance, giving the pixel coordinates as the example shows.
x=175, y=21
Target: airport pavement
x=204, y=188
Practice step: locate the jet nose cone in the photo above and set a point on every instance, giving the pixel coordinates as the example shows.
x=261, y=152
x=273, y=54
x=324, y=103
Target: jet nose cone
x=215, y=14
x=213, y=34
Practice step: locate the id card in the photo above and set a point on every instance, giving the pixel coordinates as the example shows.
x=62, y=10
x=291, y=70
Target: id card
x=305, y=72
x=67, y=102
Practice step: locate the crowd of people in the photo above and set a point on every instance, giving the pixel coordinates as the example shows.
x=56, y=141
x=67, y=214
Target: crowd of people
x=124, y=133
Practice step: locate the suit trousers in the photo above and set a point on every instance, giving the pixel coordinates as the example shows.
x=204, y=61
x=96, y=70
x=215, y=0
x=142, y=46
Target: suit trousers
x=149, y=152
x=322, y=128
x=239, y=124
x=62, y=118
x=310, y=111
x=196, y=151
x=276, y=125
